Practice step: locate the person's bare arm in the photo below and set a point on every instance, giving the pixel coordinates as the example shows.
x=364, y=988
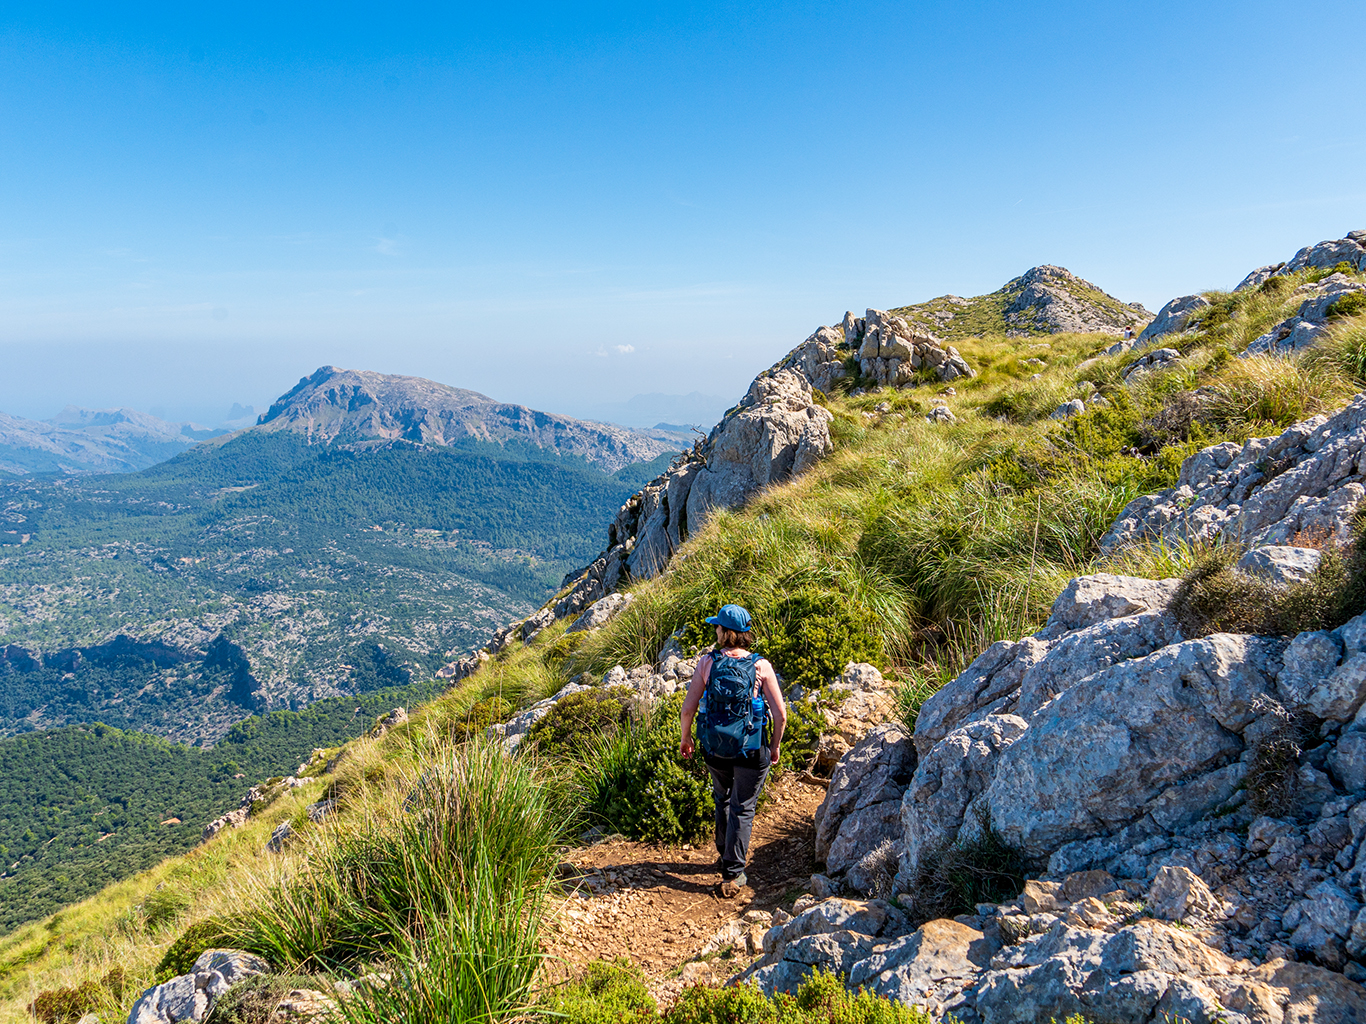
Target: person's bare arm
x=690, y=702
x=768, y=681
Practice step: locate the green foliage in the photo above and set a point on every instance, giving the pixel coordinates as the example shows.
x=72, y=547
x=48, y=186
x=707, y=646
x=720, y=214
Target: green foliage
x=1350, y=304
x=812, y=634
x=164, y=905
x=805, y=723
x=467, y=861
x=1213, y=598
x=576, y=722
x=608, y=993
x=255, y=1000
x=84, y=806
x=65, y=1005
x=615, y=993
x=635, y=782
x=481, y=715
x=821, y=999
x=185, y=950
x=980, y=867
x=1319, y=273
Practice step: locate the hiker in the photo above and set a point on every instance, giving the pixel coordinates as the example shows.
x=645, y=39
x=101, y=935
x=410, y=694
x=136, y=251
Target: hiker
x=740, y=702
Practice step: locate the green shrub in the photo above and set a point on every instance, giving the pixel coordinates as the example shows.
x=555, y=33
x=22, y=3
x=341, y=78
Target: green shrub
x=1351, y=304
x=608, y=993
x=63, y=1005
x=1319, y=273
x=481, y=715
x=821, y=999
x=208, y=934
x=980, y=867
x=1213, y=598
x=575, y=721
x=805, y=724
x=635, y=782
x=255, y=1000
x=812, y=634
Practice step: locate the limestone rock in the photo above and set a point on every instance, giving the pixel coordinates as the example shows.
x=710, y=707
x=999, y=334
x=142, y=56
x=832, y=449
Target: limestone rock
x=862, y=805
x=1150, y=362
x=1053, y=300
x=1173, y=317
x=190, y=996
x=1269, y=490
x=280, y=837
x=1068, y=409
x=928, y=968
x=232, y=819
x=1178, y=893
x=600, y=612
x=1279, y=563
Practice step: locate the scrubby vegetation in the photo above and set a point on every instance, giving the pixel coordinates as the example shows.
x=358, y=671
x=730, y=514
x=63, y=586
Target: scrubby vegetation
x=914, y=545
x=616, y=994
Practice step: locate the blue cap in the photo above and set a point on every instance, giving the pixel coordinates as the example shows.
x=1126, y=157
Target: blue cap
x=731, y=616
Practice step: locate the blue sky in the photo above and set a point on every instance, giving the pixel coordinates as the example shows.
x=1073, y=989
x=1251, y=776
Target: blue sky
x=570, y=205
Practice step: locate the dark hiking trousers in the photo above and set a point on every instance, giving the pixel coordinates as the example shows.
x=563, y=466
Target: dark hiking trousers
x=735, y=786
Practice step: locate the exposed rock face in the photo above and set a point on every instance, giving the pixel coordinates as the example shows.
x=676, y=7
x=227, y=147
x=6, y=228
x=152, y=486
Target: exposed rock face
x=891, y=353
x=92, y=441
x=1323, y=256
x=1173, y=317
x=1310, y=322
x=1270, y=490
x=357, y=404
x=1042, y=300
x=189, y=997
x=776, y=432
x=1053, y=300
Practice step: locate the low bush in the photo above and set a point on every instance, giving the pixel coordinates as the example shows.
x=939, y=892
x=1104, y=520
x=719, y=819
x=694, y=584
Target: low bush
x=255, y=1000
x=980, y=867
x=184, y=951
x=576, y=721
x=616, y=994
x=480, y=716
x=1351, y=304
x=635, y=782
x=608, y=993
x=65, y=1005
x=812, y=634
x=1214, y=598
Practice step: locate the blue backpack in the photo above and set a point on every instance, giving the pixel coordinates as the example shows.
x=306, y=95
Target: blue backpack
x=732, y=715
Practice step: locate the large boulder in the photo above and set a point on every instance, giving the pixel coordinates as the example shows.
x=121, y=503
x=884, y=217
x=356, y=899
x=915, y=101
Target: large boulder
x=1173, y=317
x=189, y=997
x=862, y=806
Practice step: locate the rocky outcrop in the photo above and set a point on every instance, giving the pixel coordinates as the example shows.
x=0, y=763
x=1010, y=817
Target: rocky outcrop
x=1042, y=300
x=1310, y=321
x=1173, y=317
x=1052, y=300
x=891, y=354
x=1306, y=482
x=776, y=432
x=1323, y=256
x=189, y=997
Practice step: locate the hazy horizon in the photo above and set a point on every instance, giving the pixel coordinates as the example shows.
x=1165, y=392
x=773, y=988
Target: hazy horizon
x=559, y=207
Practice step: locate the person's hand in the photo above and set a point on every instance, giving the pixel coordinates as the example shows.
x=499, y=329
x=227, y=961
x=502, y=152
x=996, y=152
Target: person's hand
x=773, y=752
x=685, y=747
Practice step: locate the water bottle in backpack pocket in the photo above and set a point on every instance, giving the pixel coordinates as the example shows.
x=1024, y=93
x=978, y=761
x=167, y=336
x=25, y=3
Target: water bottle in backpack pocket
x=732, y=713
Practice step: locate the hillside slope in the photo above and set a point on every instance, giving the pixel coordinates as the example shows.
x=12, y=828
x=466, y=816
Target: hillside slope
x=92, y=441
x=944, y=518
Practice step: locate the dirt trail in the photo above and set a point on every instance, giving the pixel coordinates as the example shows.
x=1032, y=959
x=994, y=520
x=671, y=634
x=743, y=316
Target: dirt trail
x=659, y=906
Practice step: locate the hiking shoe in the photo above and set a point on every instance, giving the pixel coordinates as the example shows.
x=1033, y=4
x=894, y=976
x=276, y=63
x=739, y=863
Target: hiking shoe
x=731, y=887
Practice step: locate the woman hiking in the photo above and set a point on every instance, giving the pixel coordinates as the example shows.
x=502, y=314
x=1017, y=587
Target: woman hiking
x=739, y=697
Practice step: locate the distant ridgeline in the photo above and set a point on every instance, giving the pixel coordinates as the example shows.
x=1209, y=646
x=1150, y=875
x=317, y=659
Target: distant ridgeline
x=316, y=555
x=87, y=805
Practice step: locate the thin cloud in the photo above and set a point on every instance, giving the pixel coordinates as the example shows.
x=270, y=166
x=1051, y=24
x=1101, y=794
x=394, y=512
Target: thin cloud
x=625, y=349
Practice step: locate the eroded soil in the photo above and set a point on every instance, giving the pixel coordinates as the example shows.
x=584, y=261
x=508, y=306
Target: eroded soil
x=660, y=906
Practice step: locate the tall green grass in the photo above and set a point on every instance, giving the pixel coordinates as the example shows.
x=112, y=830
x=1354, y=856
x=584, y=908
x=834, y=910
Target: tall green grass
x=446, y=886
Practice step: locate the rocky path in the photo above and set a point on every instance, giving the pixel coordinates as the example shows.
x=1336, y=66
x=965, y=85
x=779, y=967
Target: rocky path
x=660, y=907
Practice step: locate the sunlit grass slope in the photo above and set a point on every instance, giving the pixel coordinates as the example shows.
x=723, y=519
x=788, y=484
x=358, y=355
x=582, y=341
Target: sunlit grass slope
x=928, y=540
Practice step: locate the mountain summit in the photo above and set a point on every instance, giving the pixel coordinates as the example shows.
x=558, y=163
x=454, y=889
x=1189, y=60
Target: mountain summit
x=334, y=404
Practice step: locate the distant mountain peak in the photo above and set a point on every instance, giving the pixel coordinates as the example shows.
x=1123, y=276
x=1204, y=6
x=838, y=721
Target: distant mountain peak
x=334, y=403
